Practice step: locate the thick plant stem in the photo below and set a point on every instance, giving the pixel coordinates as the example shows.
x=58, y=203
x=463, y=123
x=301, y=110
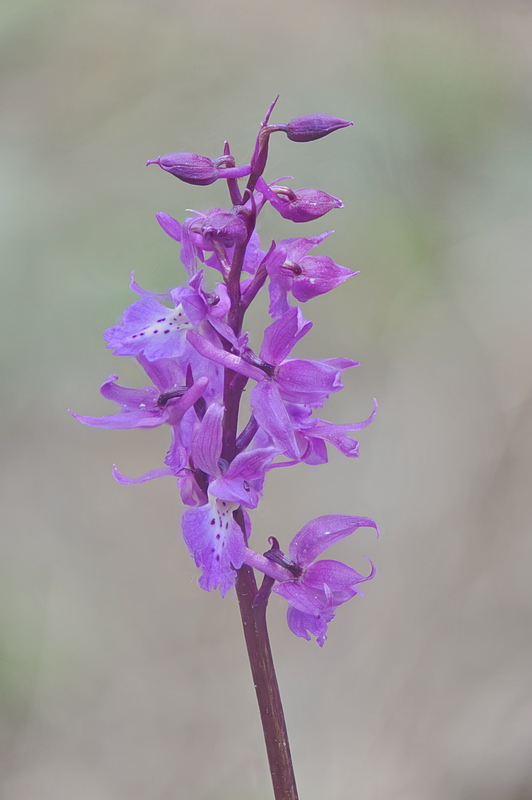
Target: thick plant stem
x=266, y=686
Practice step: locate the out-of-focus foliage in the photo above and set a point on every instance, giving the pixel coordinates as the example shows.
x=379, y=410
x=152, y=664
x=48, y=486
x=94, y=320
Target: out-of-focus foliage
x=119, y=678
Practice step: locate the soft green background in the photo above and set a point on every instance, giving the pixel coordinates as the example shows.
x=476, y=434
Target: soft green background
x=120, y=679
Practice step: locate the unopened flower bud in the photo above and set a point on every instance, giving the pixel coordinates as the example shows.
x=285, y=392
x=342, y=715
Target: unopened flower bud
x=188, y=167
x=313, y=126
x=303, y=205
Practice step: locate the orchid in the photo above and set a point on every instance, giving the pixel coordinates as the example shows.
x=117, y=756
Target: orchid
x=191, y=342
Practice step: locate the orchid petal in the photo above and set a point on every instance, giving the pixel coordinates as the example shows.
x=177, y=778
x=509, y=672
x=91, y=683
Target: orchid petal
x=215, y=542
x=322, y=532
x=207, y=443
x=148, y=476
x=282, y=335
x=271, y=414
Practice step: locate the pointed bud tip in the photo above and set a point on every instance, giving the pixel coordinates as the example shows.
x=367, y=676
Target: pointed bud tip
x=188, y=167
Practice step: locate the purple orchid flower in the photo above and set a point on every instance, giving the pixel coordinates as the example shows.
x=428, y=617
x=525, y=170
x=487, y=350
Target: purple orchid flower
x=165, y=403
x=292, y=270
x=313, y=433
x=298, y=205
x=213, y=537
x=152, y=329
x=281, y=379
x=317, y=588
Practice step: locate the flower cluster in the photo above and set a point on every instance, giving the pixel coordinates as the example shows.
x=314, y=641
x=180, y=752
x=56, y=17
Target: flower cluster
x=191, y=344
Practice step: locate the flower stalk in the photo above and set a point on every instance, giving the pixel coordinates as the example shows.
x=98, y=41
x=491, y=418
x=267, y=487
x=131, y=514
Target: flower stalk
x=191, y=343
x=266, y=687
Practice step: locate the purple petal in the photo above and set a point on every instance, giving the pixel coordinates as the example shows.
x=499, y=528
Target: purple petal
x=335, y=434
x=239, y=484
x=134, y=286
x=235, y=490
x=322, y=532
x=165, y=373
x=207, y=442
x=298, y=247
x=271, y=414
x=177, y=456
x=169, y=225
x=319, y=274
x=148, y=476
x=299, y=623
x=215, y=542
x=129, y=399
x=308, y=382
x=151, y=329
x=335, y=574
x=279, y=304
x=282, y=335
x=314, y=450
x=251, y=464
x=222, y=357
x=187, y=253
x=303, y=205
x=301, y=597
x=123, y=421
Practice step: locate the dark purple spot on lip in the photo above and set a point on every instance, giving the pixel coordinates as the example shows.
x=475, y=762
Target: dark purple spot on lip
x=217, y=558
x=212, y=522
x=167, y=331
x=134, y=336
x=161, y=320
x=156, y=330
x=141, y=334
x=217, y=535
x=226, y=525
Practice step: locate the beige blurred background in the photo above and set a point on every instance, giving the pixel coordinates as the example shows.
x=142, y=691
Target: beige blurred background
x=122, y=680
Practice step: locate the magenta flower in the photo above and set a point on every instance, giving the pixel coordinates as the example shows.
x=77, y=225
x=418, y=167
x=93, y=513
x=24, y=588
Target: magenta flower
x=317, y=588
x=280, y=379
x=165, y=403
x=213, y=537
x=156, y=331
x=312, y=434
x=292, y=270
x=299, y=205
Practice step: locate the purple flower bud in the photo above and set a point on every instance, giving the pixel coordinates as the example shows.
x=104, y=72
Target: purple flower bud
x=303, y=205
x=188, y=167
x=313, y=126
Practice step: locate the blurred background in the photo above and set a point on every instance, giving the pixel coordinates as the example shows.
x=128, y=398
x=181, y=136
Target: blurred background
x=120, y=679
